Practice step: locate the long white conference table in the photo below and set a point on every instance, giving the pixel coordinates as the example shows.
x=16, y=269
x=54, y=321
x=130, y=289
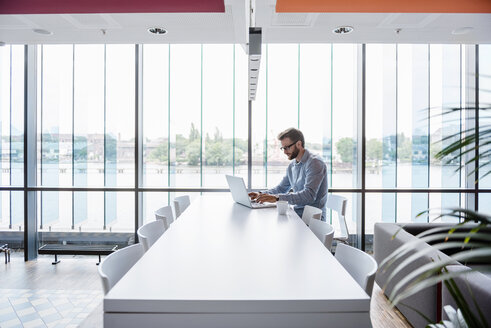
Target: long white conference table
x=224, y=265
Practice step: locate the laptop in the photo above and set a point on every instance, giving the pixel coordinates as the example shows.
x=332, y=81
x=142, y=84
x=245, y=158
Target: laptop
x=239, y=193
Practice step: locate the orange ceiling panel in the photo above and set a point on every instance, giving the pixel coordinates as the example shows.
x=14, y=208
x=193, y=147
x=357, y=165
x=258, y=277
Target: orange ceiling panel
x=383, y=6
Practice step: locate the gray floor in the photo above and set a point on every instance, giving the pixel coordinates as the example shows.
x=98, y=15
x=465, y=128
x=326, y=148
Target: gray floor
x=46, y=308
x=39, y=294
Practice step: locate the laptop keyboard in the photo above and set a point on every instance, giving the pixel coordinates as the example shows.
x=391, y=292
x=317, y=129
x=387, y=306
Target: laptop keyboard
x=254, y=204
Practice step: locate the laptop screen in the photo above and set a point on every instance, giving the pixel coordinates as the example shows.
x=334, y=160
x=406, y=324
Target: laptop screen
x=238, y=190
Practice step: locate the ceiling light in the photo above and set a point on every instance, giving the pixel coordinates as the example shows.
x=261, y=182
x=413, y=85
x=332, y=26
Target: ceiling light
x=157, y=30
x=42, y=31
x=343, y=30
x=462, y=30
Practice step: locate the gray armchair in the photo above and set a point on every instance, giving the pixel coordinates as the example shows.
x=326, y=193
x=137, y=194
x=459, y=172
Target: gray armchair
x=472, y=285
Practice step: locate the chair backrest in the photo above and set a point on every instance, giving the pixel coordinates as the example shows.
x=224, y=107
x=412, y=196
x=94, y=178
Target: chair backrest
x=180, y=204
x=324, y=231
x=360, y=265
x=150, y=232
x=165, y=214
x=338, y=205
x=116, y=264
x=311, y=212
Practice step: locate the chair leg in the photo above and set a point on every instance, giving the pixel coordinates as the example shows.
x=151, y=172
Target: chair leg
x=6, y=250
x=56, y=260
x=343, y=241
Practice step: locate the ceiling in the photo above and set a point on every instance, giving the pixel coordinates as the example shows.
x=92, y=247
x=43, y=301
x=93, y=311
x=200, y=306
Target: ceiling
x=383, y=6
x=213, y=23
x=23, y=7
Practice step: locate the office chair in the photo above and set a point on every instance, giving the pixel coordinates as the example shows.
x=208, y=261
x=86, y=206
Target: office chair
x=360, y=265
x=180, y=204
x=311, y=212
x=323, y=230
x=116, y=264
x=165, y=214
x=150, y=232
x=338, y=204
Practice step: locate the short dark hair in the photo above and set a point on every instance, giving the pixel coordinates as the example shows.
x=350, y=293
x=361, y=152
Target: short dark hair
x=293, y=134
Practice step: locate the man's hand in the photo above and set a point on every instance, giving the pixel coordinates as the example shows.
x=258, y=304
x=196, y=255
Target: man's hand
x=253, y=195
x=266, y=198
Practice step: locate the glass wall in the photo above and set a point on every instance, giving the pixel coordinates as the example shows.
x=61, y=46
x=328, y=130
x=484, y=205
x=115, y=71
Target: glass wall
x=446, y=73
x=344, y=116
x=411, y=91
x=12, y=137
x=308, y=86
x=381, y=132
x=88, y=135
x=86, y=139
x=194, y=110
x=485, y=125
x=194, y=127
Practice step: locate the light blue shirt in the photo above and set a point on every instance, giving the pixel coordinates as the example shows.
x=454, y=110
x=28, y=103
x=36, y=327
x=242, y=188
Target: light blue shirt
x=305, y=183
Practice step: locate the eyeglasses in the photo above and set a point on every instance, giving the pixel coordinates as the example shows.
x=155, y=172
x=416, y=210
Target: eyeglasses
x=287, y=147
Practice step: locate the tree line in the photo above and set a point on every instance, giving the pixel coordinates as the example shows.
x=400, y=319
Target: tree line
x=218, y=150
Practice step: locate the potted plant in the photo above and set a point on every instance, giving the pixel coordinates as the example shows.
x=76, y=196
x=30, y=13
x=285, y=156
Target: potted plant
x=472, y=242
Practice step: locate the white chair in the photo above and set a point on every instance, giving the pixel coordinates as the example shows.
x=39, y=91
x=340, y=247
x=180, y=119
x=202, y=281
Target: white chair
x=338, y=204
x=323, y=230
x=150, y=232
x=311, y=212
x=116, y=264
x=180, y=204
x=165, y=214
x=360, y=265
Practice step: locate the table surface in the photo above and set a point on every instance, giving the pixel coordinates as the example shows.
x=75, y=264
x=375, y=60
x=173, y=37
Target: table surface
x=220, y=256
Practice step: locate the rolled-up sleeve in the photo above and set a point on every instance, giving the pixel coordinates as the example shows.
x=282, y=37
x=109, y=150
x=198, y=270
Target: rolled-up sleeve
x=314, y=175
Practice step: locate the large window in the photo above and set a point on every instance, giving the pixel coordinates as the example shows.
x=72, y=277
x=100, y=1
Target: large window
x=192, y=127
x=485, y=122
x=312, y=87
x=194, y=114
x=12, y=134
x=86, y=139
x=410, y=89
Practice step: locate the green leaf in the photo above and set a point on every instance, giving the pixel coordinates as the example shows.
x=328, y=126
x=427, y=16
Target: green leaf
x=424, y=276
x=401, y=252
x=446, y=245
x=461, y=302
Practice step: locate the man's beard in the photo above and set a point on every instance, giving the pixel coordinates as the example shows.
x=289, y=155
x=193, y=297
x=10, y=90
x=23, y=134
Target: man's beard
x=294, y=154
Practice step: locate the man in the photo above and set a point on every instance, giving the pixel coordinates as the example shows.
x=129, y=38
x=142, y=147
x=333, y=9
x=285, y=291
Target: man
x=305, y=182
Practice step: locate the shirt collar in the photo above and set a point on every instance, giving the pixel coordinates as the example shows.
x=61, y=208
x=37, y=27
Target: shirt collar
x=304, y=159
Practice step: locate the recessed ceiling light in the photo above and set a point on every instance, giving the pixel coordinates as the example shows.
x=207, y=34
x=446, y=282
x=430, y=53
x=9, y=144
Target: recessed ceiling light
x=157, y=30
x=343, y=30
x=42, y=31
x=462, y=30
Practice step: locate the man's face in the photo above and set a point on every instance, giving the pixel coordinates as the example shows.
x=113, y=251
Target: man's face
x=288, y=149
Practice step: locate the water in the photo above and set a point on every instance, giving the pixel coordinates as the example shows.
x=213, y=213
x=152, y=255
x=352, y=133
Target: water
x=114, y=211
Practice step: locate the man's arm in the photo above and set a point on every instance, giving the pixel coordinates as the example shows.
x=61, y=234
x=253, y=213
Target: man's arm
x=282, y=188
x=269, y=195
x=315, y=173
x=284, y=185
